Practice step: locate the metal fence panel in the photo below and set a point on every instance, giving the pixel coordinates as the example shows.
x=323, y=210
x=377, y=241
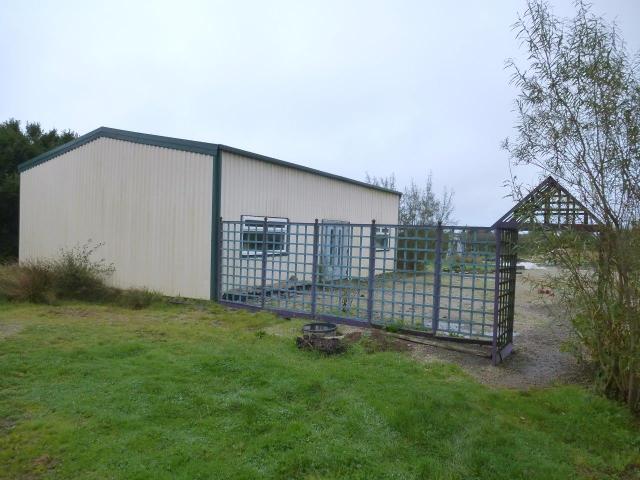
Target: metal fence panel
x=456, y=282
x=506, y=260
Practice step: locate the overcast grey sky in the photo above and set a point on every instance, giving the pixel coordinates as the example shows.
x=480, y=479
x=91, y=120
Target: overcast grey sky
x=346, y=87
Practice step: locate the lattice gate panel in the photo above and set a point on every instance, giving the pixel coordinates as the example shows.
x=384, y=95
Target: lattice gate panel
x=447, y=281
x=505, y=292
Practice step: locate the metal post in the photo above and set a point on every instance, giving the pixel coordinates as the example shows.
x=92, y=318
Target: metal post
x=314, y=268
x=372, y=271
x=496, y=299
x=513, y=261
x=437, y=280
x=219, y=263
x=263, y=293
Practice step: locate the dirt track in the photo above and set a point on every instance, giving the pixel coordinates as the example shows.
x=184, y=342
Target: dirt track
x=539, y=334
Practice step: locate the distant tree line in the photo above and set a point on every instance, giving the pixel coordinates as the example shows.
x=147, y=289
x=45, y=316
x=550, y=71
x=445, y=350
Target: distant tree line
x=419, y=205
x=18, y=145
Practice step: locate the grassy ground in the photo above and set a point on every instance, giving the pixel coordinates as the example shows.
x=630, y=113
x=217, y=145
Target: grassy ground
x=198, y=392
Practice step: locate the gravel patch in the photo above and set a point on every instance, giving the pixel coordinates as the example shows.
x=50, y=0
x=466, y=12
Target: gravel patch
x=539, y=334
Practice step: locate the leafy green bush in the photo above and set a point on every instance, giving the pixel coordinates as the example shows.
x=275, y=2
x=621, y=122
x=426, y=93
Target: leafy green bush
x=392, y=327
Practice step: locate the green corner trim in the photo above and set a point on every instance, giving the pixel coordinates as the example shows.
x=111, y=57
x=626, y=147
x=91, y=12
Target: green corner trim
x=216, y=200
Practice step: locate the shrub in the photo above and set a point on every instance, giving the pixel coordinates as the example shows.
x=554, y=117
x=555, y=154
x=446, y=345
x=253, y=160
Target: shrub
x=77, y=276
x=393, y=328
x=598, y=286
x=30, y=282
x=73, y=275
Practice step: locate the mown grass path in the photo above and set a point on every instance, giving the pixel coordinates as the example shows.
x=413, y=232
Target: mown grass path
x=199, y=392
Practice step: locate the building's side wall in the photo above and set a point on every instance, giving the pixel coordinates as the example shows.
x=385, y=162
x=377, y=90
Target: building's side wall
x=151, y=207
x=256, y=188
x=253, y=187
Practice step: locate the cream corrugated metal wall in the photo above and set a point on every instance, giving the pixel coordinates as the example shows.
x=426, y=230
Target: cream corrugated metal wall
x=151, y=206
x=257, y=188
x=254, y=187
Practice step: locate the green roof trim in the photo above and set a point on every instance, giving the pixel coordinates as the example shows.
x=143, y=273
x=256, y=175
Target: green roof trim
x=181, y=144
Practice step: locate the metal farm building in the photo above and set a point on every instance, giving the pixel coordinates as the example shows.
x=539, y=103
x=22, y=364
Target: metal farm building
x=213, y=222
x=156, y=204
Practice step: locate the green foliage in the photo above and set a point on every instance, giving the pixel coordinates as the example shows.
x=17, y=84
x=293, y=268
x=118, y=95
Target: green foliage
x=415, y=250
x=136, y=298
x=71, y=275
x=27, y=282
x=17, y=146
x=469, y=264
x=181, y=392
x=78, y=276
x=579, y=120
x=419, y=205
x=528, y=245
x=599, y=285
x=392, y=327
x=74, y=274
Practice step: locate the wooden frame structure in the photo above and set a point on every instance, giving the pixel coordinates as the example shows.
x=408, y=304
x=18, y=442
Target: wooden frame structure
x=550, y=205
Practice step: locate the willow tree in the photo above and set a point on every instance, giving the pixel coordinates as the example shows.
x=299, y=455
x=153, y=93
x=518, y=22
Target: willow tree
x=579, y=120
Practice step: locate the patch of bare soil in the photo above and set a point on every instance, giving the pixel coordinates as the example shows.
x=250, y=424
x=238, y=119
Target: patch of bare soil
x=631, y=471
x=379, y=341
x=9, y=329
x=6, y=425
x=41, y=466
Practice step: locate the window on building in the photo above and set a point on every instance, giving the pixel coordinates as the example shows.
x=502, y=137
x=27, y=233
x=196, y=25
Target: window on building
x=253, y=235
x=383, y=234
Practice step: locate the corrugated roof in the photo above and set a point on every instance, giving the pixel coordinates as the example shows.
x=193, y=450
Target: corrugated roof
x=180, y=144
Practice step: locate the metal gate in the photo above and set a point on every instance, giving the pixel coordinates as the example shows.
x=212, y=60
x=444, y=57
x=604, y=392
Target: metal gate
x=447, y=281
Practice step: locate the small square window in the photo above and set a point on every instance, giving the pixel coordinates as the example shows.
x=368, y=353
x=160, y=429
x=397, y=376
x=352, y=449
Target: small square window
x=254, y=236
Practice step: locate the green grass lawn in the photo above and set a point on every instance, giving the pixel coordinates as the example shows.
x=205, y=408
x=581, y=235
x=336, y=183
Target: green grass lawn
x=199, y=392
